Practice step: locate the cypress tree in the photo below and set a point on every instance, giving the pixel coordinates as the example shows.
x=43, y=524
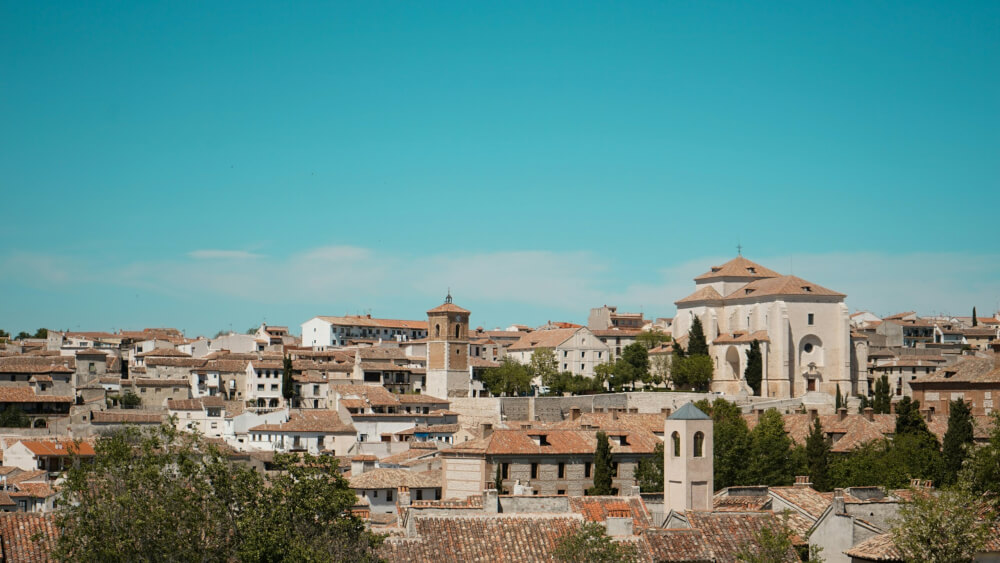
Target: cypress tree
x=498, y=481
x=840, y=401
x=882, y=400
x=770, y=461
x=697, y=345
x=818, y=457
x=602, y=467
x=975, y=320
x=287, y=386
x=755, y=367
x=863, y=404
x=958, y=437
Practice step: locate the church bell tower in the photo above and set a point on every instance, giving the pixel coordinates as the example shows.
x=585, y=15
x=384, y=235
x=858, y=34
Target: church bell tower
x=448, y=350
x=688, y=481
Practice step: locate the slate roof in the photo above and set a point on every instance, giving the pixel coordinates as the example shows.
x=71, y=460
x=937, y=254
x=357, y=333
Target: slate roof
x=688, y=412
x=27, y=537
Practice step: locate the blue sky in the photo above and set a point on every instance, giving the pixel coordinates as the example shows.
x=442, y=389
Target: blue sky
x=207, y=165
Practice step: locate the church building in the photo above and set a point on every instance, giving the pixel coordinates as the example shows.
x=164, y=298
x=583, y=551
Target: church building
x=448, y=350
x=803, y=330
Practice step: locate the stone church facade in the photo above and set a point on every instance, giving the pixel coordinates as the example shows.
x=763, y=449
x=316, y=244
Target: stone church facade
x=803, y=330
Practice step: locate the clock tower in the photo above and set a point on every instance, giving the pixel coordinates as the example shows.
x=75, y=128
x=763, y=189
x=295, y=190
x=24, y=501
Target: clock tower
x=448, y=350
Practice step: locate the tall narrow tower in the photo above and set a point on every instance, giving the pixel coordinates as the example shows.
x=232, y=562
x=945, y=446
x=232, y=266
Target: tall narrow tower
x=688, y=482
x=448, y=350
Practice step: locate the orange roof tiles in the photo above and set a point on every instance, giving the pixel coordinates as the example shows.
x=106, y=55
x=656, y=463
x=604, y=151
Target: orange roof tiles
x=543, y=339
x=384, y=478
x=309, y=420
x=367, y=321
x=28, y=395
x=557, y=442
x=59, y=447
x=599, y=508
x=26, y=537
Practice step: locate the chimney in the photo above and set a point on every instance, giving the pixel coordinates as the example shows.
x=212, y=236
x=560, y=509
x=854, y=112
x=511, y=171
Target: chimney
x=403, y=500
x=813, y=414
x=487, y=429
x=634, y=410
x=869, y=413
x=838, y=501
x=491, y=501
x=841, y=413
x=619, y=523
x=574, y=413
x=665, y=411
x=802, y=481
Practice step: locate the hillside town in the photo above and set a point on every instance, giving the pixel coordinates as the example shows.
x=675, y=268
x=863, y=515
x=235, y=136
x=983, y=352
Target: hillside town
x=461, y=442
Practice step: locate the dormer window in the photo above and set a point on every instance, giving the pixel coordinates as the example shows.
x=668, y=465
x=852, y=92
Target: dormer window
x=752, y=270
x=748, y=291
x=807, y=288
x=540, y=439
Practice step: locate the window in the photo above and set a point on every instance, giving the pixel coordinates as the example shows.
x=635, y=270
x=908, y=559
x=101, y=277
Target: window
x=699, y=442
x=565, y=353
x=505, y=470
x=274, y=387
x=565, y=366
x=260, y=386
x=676, y=438
x=811, y=318
x=561, y=492
x=458, y=331
x=375, y=494
x=420, y=494
x=534, y=471
x=437, y=330
x=562, y=470
x=388, y=495
x=586, y=469
x=582, y=366
x=315, y=389
x=808, y=348
x=583, y=355
x=599, y=355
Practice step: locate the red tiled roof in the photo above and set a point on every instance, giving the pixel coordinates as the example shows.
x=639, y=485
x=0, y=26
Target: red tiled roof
x=309, y=420
x=447, y=308
x=385, y=478
x=366, y=321
x=104, y=417
x=543, y=339
x=28, y=395
x=26, y=537
x=876, y=548
x=599, y=508
x=515, y=538
x=738, y=267
x=59, y=447
x=558, y=442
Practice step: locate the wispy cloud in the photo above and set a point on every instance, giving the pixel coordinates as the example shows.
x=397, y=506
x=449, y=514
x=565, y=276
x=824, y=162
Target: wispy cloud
x=223, y=255
x=518, y=283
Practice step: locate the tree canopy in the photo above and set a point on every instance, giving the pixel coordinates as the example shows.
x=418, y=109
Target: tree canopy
x=602, y=467
x=958, y=439
x=882, y=400
x=818, y=457
x=509, y=378
x=160, y=494
x=944, y=527
x=591, y=543
x=770, y=461
x=697, y=345
x=754, y=371
x=648, y=472
x=692, y=372
x=287, y=385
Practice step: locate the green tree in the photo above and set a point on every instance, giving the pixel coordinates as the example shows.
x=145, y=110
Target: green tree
x=591, y=543
x=41, y=333
x=678, y=350
x=14, y=417
x=692, y=372
x=941, y=528
x=287, y=384
x=4, y=334
x=863, y=404
x=651, y=338
x=770, y=459
x=498, y=481
x=982, y=470
x=636, y=356
x=958, y=439
x=975, y=319
x=130, y=400
x=602, y=467
x=648, y=472
x=818, y=457
x=252, y=330
x=871, y=463
x=774, y=543
x=839, y=399
x=697, y=345
x=164, y=495
x=23, y=335
x=623, y=374
x=882, y=401
x=731, y=442
x=543, y=365
x=509, y=378
x=604, y=373
x=754, y=371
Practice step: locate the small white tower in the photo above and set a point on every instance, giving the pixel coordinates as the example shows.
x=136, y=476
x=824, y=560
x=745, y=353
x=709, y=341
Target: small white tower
x=688, y=482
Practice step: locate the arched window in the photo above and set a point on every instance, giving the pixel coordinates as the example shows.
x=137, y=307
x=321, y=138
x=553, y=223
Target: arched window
x=437, y=330
x=458, y=331
x=677, y=444
x=699, y=444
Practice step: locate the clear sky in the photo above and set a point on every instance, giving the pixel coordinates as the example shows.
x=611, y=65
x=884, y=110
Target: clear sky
x=207, y=165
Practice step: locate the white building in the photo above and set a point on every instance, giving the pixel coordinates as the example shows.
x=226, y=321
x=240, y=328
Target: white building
x=205, y=416
x=314, y=431
x=323, y=332
x=803, y=329
x=577, y=350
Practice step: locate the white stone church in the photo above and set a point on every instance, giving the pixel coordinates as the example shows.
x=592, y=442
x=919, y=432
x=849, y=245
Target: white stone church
x=803, y=330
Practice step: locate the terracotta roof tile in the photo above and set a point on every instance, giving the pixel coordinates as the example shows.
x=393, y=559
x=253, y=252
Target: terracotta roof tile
x=384, y=478
x=28, y=538
x=309, y=420
x=738, y=267
x=599, y=508
x=28, y=395
x=59, y=447
x=366, y=321
x=543, y=339
x=876, y=548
